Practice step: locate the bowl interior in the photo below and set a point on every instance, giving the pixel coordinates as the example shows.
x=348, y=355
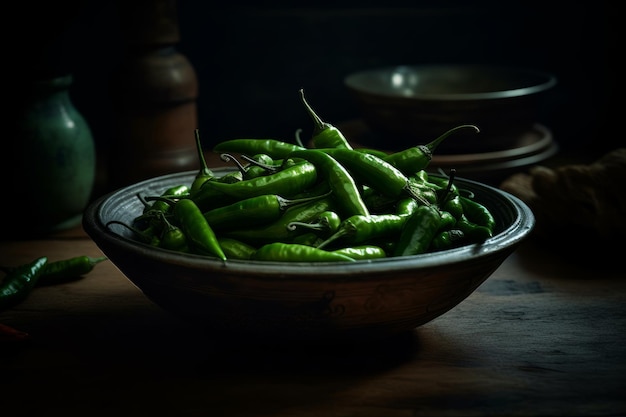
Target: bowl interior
x=513, y=218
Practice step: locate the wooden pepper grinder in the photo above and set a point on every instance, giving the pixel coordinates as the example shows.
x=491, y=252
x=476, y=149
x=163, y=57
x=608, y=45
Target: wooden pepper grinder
x=154, y=95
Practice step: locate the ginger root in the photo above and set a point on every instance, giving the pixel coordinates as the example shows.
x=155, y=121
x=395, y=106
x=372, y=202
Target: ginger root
x=586, y=200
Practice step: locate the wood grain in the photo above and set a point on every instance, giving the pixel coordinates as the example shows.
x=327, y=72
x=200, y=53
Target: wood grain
x=542, y=336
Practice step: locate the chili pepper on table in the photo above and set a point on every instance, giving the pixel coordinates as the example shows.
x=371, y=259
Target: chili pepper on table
x=276, y=149
x=418, y=232
x=17, y=284
x=200, y=235
x=417, y=158
x=344, y=188
x=9, y=334
x=324, y=135
x=252, y=211
x=63, y=270
x=293, y=252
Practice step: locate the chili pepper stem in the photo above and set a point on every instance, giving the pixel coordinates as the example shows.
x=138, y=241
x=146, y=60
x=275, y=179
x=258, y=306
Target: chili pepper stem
x=138, y=232
x=337, y=235
x=317, y=121
x=204, y=169
x=432, y=145
x=226, y=157
x=448, y=189
x=266, y=167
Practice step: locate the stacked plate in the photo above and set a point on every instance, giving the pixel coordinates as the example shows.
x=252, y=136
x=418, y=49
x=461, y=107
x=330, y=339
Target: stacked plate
x=523, y=150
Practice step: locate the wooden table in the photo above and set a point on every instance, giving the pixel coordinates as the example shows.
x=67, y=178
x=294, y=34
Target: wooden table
x=541, y=337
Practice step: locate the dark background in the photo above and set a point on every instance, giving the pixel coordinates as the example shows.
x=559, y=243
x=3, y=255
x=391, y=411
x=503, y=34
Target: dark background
x=251, y=60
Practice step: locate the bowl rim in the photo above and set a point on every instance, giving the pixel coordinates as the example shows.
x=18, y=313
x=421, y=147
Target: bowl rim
x=549, y=81
x=507, y=238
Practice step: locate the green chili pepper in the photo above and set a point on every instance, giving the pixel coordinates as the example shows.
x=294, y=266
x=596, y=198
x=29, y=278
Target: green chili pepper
x=68, y=269
x=448, y=221
x=375, y=152
x=362, y=252
x=260, y=164
x=359, y=229
x=477, y=213
x=446, y=239
x=325, y=225
x=162, y=205
x=453, y=206
x=375, y=172
x=230, y=178
x=17, y=285
x=377, y=202
x=236, y=249
x=418, y=231
x=324, y=135
x=473, y=232
x=417, y=158
x=293, y=252
x=149, y=235
x=406, y=206
x=172, y=237
x=276, y=149
x=64, y=270
x=200, y=236
x=253, y=211
x=344, y=188
x=308, y=238
x=278, y=230
x=204, y=174
x=226, y=157
x=287, y=182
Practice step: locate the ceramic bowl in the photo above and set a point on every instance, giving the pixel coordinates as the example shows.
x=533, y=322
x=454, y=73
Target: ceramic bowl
x=408, y=105
x=303, y=301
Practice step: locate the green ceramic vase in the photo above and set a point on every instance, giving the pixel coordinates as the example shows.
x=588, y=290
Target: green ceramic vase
x=52, y=154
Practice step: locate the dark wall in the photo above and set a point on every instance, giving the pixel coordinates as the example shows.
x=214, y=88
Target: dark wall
x=251, y=61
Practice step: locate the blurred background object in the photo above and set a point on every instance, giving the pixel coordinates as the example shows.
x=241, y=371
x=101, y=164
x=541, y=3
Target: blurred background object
x=153, y=92
x=251, y=61
x=405, y=105
x=49, y=164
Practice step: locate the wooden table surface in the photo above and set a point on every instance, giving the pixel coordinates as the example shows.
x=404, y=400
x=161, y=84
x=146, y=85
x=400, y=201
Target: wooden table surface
x=543, y=336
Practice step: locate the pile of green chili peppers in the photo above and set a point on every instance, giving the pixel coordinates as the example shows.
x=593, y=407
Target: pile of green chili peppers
x=328, y=202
